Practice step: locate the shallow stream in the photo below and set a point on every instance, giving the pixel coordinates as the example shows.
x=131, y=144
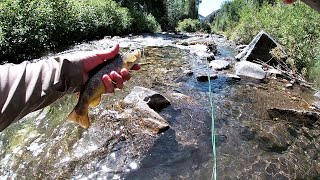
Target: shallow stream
x=250, y=145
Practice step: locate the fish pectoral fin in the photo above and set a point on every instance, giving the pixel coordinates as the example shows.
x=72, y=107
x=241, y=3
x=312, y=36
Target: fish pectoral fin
x=95, y=102
x=83, y=121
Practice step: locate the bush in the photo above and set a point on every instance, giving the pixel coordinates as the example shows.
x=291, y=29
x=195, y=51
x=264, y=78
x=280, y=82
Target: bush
x=205, y=27
x=188, y=25
x=296, y=27
x=143, y=23
x=34, y=25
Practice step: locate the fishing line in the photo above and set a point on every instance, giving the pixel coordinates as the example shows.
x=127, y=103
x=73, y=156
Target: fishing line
x=213, y=132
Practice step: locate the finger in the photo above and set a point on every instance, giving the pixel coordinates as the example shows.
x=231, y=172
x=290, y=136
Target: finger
x=99, y=57
x=108, y=54
x=108, y=85
x=125, y=74
x=117, y=78
x=136, y=67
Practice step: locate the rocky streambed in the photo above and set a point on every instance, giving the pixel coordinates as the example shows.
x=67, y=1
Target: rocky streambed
x=159, y=126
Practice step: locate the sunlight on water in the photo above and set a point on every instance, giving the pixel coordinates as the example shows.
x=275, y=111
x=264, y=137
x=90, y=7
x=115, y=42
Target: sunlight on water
x=119, y=145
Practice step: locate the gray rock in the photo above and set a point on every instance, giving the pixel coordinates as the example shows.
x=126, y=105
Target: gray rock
x=259, y=48
x=289, y=85
x=152, y=98
x=241, y=47
x=188, y=72
x=249, y=69
x=219, y=64
x=316, y=105
x=317, y=95
x=145, y=102
x=210, y=57
x=232, y=76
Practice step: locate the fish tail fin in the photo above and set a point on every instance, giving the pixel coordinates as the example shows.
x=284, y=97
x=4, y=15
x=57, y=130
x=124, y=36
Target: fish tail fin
x=83, y=121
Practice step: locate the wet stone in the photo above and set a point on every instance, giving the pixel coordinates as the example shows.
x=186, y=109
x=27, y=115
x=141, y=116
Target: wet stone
x=316, y=105
x=233, y=77
x=188, y=72
x=272, y=169
x=317, y=95
x=259, y=166
x=154, y=100
x=154, y=125
x=276, y=140
x=210, y=57
x=220, y=139
x=247, y=133
x=204, y=78
x=219, y=64
x=306, y=118
x=289, y=86
x=280, y=177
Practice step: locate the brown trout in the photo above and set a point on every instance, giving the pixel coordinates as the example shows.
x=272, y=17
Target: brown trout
x=90, y=94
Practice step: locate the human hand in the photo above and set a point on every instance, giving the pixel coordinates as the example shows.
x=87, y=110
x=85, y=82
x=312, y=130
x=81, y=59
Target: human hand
x=92, y=59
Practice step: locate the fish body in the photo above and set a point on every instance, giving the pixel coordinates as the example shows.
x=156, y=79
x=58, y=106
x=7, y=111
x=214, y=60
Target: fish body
x=90, y=94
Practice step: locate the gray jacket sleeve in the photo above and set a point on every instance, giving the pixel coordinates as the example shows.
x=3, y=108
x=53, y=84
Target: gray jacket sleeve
x=27, y=87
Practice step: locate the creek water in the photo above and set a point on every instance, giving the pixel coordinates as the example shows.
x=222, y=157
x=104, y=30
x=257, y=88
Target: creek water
x=250, y=145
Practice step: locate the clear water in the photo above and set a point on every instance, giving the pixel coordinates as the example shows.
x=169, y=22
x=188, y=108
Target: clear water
x=44, y=146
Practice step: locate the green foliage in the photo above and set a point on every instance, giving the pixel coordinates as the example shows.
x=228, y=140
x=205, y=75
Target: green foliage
x=228, y=16
x=178, y=10
x=144, y=23
x=296, y=27
x=205, y=27
x=28, y=26
x=188, y=25
x=33, y=26
x=193, y=25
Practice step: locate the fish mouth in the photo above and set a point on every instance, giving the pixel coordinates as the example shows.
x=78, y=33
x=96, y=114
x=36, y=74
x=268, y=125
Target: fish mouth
x=138, y=54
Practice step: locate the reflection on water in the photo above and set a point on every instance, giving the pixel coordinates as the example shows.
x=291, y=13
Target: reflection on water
x=43, y=145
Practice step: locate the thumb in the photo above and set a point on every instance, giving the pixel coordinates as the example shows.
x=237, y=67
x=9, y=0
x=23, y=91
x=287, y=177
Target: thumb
x=99, y=57
x=108, y=54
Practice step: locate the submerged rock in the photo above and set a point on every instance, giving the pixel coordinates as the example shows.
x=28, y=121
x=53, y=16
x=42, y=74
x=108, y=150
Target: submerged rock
x=259, y=48
x=275, y=139
x=204, y=77
x=219, y=64
x=249, y=69
x=305, y=118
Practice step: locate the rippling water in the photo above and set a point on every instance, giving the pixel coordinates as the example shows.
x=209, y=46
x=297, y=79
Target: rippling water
x=44, y=146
